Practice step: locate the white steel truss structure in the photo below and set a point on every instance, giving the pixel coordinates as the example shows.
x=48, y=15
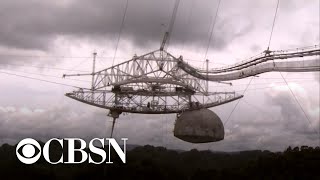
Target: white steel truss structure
x=159, y=83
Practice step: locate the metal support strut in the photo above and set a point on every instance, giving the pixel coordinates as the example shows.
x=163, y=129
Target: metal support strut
x=113, y=123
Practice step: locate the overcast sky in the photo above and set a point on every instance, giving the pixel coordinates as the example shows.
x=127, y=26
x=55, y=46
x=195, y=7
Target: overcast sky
x=45, y=39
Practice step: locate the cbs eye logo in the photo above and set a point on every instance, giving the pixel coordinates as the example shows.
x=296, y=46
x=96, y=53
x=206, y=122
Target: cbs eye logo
x=27, y=149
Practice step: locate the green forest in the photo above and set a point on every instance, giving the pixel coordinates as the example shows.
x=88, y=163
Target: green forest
x=148, y=162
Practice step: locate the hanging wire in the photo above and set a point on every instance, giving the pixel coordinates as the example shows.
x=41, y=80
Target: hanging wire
x=212, y=30
x=37, y=79
x=121, y=29
x=273, y=23
x=238, y=102
x=172, y=21
x=78, y=65
x=295, y=98
x=47, y=75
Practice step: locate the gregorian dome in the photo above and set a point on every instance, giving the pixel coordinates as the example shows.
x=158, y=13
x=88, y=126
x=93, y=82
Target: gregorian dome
x=199, y=126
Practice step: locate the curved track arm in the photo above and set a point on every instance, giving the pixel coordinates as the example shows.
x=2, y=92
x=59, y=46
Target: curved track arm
x=271, y=61
x=290, y=66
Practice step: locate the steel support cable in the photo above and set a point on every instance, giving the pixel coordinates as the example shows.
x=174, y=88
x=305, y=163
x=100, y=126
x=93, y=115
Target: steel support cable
x=295, y=98
x=74, y=67
x=273, y=23
x=170, y=29
x=43, y=80
x=47, y=75
x=115, y=52
x=212, y=29
x=174, y=15
x=297, y=101
x=172, y=21
x=225, y=123
x=121, y=29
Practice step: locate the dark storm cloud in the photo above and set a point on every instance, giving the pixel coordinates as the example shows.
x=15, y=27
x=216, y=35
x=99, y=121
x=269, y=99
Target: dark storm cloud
x=35, y=24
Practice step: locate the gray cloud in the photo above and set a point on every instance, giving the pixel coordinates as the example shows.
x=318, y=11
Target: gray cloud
x=61, y=121
x=35, y=24
x=298, y=128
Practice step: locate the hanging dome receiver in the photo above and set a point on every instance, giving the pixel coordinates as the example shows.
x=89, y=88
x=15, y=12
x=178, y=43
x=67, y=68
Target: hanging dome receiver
x=199, y=126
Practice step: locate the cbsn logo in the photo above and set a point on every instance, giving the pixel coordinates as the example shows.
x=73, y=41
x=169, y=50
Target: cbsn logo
x=29, y=155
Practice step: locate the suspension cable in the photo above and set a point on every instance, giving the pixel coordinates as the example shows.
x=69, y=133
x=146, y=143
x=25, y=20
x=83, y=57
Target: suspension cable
x=78, y=65
x=121, y=29
x=273, y=23
x=295, y=98
x=172, y=21
x=212, y=29
x=43, y=80
x=225, y=123
x=46, y=75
